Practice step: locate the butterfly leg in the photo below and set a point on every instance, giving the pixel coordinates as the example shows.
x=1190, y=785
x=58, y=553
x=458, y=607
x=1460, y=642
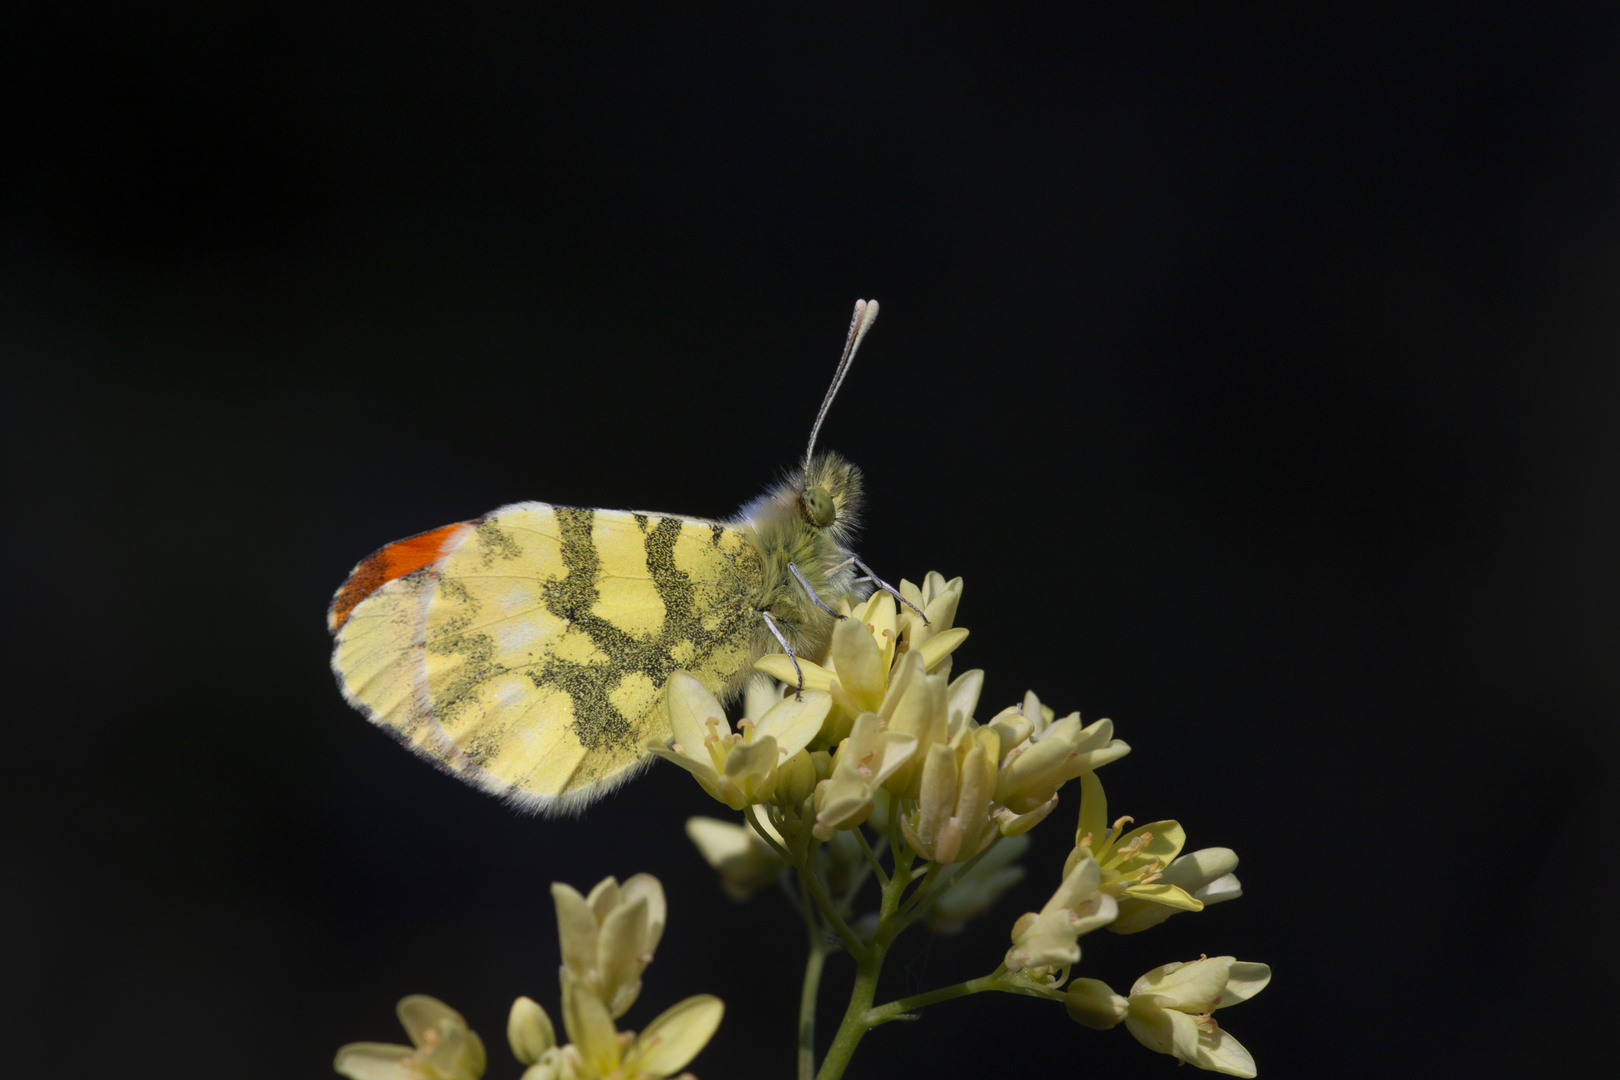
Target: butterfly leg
x=777, y=634
x=885, y=586
x=814, y=599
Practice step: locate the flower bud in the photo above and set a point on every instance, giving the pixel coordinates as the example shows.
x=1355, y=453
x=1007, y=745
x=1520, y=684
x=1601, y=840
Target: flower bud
x=1092, y=1003
x=529, y=1030
x=796, y=780
x=823, y=761
x=952, y=821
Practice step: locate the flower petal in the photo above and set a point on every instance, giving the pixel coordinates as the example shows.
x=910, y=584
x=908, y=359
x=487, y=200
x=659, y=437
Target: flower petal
x=1244, y=981
x=793, y=722
x=962, y=698
x=1196, y=869
x=1168, y=838
x=619, y=951
x=1219, y=1052
x=374, y=1061
x=745, y=862
x=590, y=1028
x=719, y=841
x=1093, y=813
x=751, y=769
x=676, y=1035
x=1152, y=1028
x=938, y=647
x=604, y=897
x=778, y=666
x=1192, y=987
x=425, y=1018
x=1168, y=895
x=859, y=663
x=1012, y=824
x=691, y=706
x=576, y=929
x=702, y=768
x=646, y=885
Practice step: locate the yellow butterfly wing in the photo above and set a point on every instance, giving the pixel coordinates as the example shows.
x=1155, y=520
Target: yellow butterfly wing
x=528, y=651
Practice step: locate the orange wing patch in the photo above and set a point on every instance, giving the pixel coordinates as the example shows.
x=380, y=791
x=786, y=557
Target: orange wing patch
x=386, y=564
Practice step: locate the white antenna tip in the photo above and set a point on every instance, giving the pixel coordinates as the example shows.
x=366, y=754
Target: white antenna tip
x=866, y=313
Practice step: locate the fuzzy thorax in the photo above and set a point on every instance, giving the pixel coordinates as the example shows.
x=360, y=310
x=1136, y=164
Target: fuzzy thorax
x=783, y=523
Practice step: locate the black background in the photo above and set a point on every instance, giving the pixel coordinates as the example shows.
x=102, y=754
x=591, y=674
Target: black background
x=1255, y=368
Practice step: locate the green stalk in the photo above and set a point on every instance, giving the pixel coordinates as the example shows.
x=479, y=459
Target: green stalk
x=818, y=893
x=854, y=1023
x=871, y=856
x=807, y=1004
x=898, y=1010
x=868, y=966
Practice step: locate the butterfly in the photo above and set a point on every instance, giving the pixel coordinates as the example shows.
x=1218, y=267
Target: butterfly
x=527, y=651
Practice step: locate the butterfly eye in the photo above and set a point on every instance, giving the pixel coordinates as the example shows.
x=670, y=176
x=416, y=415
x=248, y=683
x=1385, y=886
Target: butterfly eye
x=817, y=507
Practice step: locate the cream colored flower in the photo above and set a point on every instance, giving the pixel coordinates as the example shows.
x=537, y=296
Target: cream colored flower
x=529, y=1031
x=1171, y=1011
x=918, y=706
x=760, y=693
x=1094, y=1004
x=740, y=768
x=859, y=668
x=1205, y=875
x=1012, y=824
x=1132, y=862
x=971, y=894
x=1051, y=938
x=952, y=820
x=443, y=1047
x=599, y=1052
x=869, y=756
x=608, y=937
x=746, y=863
x=938, y=599
x=1052, y=754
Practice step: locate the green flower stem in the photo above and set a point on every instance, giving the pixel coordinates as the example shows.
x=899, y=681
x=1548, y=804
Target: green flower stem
x=807, y=1003
x=868, y=966
x=932, y=889
x=764, y=834
x=900, y=1010
x=929, y=888
x=871, y=857
x=854, y=1023
x=818, y=893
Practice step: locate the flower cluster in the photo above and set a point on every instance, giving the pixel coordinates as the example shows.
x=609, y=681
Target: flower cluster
x=898, y=725
x=608, y=937
x=878, y=772
x=884, y=743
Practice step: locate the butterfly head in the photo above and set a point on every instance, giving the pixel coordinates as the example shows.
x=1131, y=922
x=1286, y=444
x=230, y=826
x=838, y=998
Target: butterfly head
x=827, y=494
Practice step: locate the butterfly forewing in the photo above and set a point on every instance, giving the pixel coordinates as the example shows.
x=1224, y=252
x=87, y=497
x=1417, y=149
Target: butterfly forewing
x=531, y=657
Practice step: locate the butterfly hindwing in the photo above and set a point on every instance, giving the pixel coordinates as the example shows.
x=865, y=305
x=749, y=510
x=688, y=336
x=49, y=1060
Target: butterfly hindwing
x=530, y=656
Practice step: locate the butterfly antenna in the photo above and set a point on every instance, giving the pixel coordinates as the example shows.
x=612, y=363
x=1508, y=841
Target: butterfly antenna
x=866, y=312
